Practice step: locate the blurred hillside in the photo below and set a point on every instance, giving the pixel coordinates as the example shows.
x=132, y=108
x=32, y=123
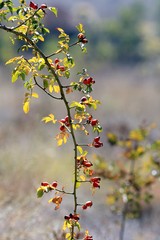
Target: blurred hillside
x=126, y=31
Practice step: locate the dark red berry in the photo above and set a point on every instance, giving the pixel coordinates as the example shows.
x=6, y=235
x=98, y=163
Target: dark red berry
x=44, y=184
x=33, y=5
x=43, y=6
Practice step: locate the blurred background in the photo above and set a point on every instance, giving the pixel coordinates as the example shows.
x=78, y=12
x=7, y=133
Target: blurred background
x=124, y=59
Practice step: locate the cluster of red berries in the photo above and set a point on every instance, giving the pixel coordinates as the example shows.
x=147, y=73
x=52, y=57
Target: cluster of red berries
x=82, y=38
x=92, y=121
x=57, y=65
x=51, y=186
x=65, y=122
x=96, y=142
x=95, y=182
x=35, y=6
x=87, y=204
x=88, y=81
x=72, y=217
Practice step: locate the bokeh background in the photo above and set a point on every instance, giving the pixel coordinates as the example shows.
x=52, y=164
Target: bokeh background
x=124, y=59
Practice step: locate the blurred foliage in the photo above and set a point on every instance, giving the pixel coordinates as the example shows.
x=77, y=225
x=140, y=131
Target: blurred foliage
x=130, y=37
x=120, y=39
x=134, y=173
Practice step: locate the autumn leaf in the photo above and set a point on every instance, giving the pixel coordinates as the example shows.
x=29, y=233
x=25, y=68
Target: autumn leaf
x=62, y=138
x=26, y=106
x=49, y=118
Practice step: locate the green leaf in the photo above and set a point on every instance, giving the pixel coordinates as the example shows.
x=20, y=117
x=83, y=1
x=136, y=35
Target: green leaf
x=40, y=192
x=1, y=5
x=80, y=28
x=45, y=83
x=54, y=10
x=67, y=74
x=78, y=184
x=15, y=76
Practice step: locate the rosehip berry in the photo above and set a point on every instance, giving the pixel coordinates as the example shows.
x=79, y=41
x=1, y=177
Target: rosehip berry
x=84, y=40
x=66, y=119
x=95, y=179
x=96, y=185
x=90, y=80
x=62, y=128
x=43, y=6
x=61, y=68
x=85, y=81
x=80, y=36
x=94, y=122
x=44, y=184
x=96, y=139
x=56, y=60
x=89, y=237
x=62, y=120
x=86, y=163
x=54, y=184
x=84, y=207
x=89, y=204
x=33, y=5
x=83, y=99
x=75, y=217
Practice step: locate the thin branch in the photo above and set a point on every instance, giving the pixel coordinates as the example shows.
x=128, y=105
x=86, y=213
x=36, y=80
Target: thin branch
x=25, y=20
x=43, y=89
x=60, y=50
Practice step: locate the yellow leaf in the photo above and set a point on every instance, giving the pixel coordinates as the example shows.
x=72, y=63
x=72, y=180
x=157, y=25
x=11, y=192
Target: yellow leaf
x=13, y=59
x=50, y=88
x=22, y=29
x=68, y=235
x=62, y=138
x=40, y=37
x=49, y=118
x=80, y=149
x=60, y=142
x=56, y=88
x=50, y=200
x=82, y=177
x=60, y=30
x=35, y=95
x=26, y=107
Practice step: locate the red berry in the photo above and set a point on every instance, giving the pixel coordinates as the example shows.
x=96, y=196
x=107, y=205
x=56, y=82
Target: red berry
x=66, y=119
x=61, y=68
x=85, y=81
x=62, y=128
x=44, y=184
x=83, y=99
x=33, y=5
x=62, y=120
x=96, y=185
x=86, y=163
x=84, y=207
x=43, y=6
x=80, y=36
x=96, y=139
x=94, y=122
x=84, y=40
x=56, y=60
x=54, y=184
x=95, y=179
x=89, y=204
x=90, y=80
x=75, y=217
